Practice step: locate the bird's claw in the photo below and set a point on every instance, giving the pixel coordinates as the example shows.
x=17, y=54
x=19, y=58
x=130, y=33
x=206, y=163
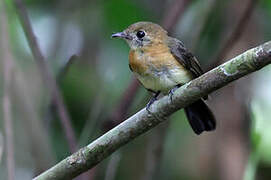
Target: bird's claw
x=171, y=92
x=152, y=100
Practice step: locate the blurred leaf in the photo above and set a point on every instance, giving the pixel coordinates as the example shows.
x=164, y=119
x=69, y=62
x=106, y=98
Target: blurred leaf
x=121, y=13
x=267, y=4
x=261, y=134
x=79, y=86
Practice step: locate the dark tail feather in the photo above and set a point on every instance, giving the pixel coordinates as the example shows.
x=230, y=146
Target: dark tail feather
x=200, y=117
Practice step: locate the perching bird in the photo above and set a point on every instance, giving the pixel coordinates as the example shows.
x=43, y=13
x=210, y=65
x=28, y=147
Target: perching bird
x=162, y=64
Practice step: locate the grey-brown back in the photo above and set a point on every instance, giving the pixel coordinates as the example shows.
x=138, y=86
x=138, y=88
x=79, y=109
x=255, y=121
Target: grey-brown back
x=184, y=57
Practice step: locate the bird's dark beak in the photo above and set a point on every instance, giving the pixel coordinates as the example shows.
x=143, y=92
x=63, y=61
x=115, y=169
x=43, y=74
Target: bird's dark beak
x=121, y=35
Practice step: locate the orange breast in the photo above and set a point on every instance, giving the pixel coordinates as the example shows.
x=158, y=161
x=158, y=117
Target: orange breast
x=153, y=57
x=137, y=62
x=157, y=69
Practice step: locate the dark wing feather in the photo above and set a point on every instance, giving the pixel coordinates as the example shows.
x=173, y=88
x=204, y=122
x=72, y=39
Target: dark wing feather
x=184, y=57
x=198, y=114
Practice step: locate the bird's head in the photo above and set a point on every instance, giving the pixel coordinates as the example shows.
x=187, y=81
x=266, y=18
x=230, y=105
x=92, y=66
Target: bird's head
x=142, y=34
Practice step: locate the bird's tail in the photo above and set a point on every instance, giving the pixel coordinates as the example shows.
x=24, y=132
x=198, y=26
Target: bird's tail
x=200, y=117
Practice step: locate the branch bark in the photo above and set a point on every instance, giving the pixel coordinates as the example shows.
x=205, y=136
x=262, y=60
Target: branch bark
x=87, y=157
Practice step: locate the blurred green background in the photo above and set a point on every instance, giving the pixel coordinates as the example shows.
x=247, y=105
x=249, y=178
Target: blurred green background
x=94, y=83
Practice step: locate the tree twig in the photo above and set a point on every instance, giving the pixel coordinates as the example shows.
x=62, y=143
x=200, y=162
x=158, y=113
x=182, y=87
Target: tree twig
x=112, y=166
x=7, y=114
x=155, y=146
x=9, y=135
x=235, y=35
x=46, y=75
x=173, y=13
x=1, y=146
x=87, y=157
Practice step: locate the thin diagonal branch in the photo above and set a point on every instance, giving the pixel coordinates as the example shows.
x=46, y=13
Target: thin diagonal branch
x=112, y=166
x=154, y=154
x=6, y=102
x=236, y=34
x=8, y=135
x=87, y=157
x=174, y=13
x=46, y=75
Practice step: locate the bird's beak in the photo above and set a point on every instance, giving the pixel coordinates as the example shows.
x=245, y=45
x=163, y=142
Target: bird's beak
x=122, y=35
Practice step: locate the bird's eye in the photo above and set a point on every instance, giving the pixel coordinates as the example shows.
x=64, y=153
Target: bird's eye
x=140, y=34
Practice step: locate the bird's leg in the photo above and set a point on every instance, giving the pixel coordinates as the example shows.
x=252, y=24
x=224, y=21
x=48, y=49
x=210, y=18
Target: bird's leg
x=171, y=92
x=154, y=98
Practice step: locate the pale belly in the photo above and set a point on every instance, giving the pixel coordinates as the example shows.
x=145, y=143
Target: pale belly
x=164, y=80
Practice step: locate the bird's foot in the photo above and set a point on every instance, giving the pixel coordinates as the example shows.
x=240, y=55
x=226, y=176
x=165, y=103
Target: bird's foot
x=171, y=92
x=152, y=100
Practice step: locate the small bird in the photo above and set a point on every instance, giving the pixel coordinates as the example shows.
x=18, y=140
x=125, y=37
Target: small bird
x=162, y=64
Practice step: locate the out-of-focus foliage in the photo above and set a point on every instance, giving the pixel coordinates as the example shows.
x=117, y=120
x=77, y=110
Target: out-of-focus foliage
x=95, y=81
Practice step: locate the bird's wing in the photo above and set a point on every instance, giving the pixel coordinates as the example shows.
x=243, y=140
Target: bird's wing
x=184, y=57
